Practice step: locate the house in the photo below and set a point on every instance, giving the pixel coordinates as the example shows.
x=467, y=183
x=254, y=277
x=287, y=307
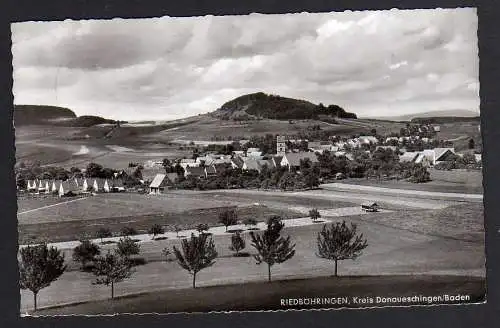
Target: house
x=195, y=171
x=436, y=128
x=347, y=155
x=148, y=174
x=251, y=164
x=205, y=160
x=185, y=162
x=172, y=178
x=393, y=148
x=68, y=188
x=158, y=184
x=221, y=167
x=478, y=158
x=253, y=150
x=43, y=187
x=292, y=160
x=407, y=157
x=31, y=185
x=100, y=185
x=368, y=140
x=254, y=154
x=55, y=186
x=237, y=162
x=238, y=153
x=422, y=159
x=210, y=171
x=276, y=160
x=369, y=207
x=443, y=154
x=116, y=185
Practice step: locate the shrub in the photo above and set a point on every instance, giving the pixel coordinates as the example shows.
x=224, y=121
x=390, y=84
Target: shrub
x=128, y=231
x=237, y=243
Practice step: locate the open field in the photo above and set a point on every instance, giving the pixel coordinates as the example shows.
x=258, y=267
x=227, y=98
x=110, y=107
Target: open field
x=455, y=181
x=393, y=249
x=186, y=219
x=263, y=295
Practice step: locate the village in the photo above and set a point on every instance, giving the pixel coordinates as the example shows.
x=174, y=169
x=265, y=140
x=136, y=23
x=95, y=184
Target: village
x=156, y=176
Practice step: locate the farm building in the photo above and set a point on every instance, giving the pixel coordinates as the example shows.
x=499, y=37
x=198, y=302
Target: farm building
x=195, y=171
x=210, y=171
x=237, y=162
x=292, y=160
x=369, y=207
x=409, y=156
x=100, y=185
x=162, y=182
x=67, y=188
x=185, y=162
x=158, y=184
x=277, y=160
x=116, y=185
x=367, y=140
x=31, y=185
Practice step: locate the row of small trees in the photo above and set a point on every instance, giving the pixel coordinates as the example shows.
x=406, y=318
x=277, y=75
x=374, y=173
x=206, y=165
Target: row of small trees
x=40, y=265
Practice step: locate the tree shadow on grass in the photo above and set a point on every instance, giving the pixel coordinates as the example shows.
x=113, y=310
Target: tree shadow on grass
x=107, y=242
x=160, y=238
x=235, y=230
x=242, y=254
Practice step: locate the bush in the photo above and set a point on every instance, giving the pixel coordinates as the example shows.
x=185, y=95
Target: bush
x=128, y=231
x=155, y=230
x=127, y=247
x=85, y=252
x=104, y=233
x=237, y=243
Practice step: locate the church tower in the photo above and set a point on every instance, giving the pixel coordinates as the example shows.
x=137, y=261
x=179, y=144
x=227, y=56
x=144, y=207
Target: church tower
x=280, y=145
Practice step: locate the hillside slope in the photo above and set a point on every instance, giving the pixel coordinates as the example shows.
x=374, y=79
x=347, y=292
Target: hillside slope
x=261, y=105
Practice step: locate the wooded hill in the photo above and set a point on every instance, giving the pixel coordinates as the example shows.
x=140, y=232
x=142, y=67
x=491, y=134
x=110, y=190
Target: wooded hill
x=261, y=105
x=54, y=115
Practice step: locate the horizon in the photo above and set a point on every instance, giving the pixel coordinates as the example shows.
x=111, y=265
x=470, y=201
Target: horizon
x=427, y=60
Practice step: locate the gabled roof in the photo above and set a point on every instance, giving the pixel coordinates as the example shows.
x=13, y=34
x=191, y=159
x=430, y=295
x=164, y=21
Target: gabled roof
x=157, y=181
x=116, y=183
x=294, y=159
x=210, y=170
x=196, y=171
x=150, y=173
x=441, y=151
x=252, y=164
x=172, y=176
x=369, y=204
x=277, y=160
x=408, y=156
x=69, y=186
x=238, y=161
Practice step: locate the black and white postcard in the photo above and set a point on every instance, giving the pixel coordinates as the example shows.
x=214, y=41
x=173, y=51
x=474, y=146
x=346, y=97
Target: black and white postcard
x=255, y=162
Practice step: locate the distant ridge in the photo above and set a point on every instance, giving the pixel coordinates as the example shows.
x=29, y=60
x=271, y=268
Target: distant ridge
x=464, y=113
x=261, y=105
x=54, y=115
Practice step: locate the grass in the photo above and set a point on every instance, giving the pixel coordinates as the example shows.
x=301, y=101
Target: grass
x=455, y=181
x=397, y=244
x=187, y=219
x=269, y=296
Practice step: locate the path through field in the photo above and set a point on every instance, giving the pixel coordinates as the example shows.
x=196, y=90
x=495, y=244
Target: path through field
x=52, y=205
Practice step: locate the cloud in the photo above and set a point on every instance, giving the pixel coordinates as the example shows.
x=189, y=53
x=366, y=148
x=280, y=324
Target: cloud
x=371, y=62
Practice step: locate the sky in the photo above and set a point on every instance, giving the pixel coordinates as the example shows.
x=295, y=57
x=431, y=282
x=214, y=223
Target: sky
x=372, y=63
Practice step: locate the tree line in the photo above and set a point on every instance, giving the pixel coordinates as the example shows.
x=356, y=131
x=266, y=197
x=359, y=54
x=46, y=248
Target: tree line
x=40, y=265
